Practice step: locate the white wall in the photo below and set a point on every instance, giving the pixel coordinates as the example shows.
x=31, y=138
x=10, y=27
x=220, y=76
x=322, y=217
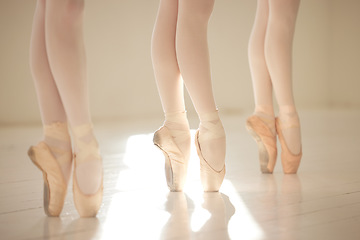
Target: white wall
x=345, y=53
x=326, y=57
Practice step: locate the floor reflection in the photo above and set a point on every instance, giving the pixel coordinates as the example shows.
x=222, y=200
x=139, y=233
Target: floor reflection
x=291, y=196
x=53, y=226
x=86, y=228
x=221, y=210
x=178, y=225
x=276, y=205
x=242, y=225
x=56, y=228
x=194, y=219
x=141, y=207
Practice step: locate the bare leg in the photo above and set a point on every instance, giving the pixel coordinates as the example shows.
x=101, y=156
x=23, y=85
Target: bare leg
x=193, y=58
x=259, y=71
x=53, y=116
x=66, y=53
x=167, y=74
x=278, y=53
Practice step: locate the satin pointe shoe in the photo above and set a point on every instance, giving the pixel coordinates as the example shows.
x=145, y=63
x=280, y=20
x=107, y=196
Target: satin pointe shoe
x=88, y=172
x=175, y=162
x=211, y=179
x=87, y=205
x=55, y=186
x=266, y=141
x=290, y=161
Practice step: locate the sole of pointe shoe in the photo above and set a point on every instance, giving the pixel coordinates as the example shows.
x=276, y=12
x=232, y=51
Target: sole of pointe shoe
x=169, y=174
x=46, y=200
x=263, y=153
x=176, y=167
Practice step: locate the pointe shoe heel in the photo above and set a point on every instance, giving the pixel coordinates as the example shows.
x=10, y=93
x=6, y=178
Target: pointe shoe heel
x=211, y=179
x=290, y=161
x=175, y=162
x=87, y=205
x=266, y=143
x=55, y=186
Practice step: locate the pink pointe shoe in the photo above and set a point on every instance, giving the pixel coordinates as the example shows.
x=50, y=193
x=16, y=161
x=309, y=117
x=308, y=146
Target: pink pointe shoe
x=290, y=161
x=175, y=162
x=211, y=179
x=88, y=172
x=266, y=141
x=87, y=205
x=55, y=186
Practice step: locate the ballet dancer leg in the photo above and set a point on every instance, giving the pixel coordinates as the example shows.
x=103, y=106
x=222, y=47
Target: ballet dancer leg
x=170, y=86
x=194, y=63
x=278, y=53
x=53, y=155
x=261, y=124
x=66, y=54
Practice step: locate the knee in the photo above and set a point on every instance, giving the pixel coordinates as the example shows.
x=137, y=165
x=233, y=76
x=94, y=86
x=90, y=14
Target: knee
x=38, y=68
x=74, y=11
x=256, y=50
x=284, y=11
x=199, y=10
x=41, y=4
x=65, y=13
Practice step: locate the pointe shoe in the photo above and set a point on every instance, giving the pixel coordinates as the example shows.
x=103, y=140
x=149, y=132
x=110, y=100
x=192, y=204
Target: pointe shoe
x=266, y=143
x=175, y=162
x=211, y=179
x=290, y=161
x=55, y=186
x=87, y=205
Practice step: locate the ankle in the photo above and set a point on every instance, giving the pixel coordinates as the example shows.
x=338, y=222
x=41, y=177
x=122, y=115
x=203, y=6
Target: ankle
x=211, y=125
x=57, y=138
x=57, y=135
x=179, y=128
x=88, y=164
x=86, y=144
x=290, y=128
x=289, y=116
x=212, y=139
x=267, y=110
x=177, y=120
x=268, y=118
x=287, y=111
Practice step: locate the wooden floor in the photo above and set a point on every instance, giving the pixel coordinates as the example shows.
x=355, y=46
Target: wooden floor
x=321, y=202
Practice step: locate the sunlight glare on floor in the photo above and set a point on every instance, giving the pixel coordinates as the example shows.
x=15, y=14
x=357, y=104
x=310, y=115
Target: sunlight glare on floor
x=144, y=202
x=143, y=165
x=242, y=225
x=131, y=212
